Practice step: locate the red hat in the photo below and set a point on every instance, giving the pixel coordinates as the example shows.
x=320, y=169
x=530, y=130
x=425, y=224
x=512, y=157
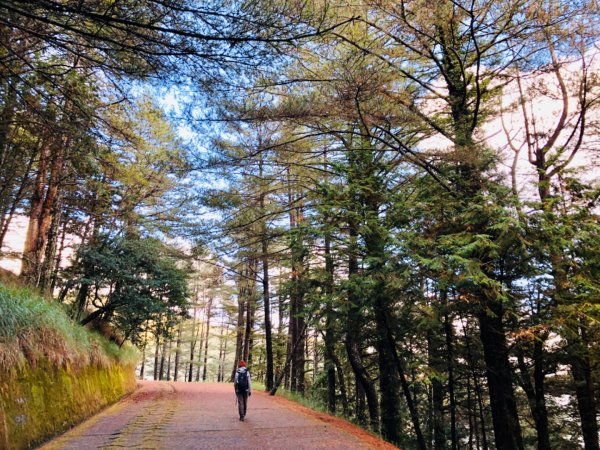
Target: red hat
x=242, y=363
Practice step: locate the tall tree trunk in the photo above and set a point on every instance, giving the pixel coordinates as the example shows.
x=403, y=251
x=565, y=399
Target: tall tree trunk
x=352, y=332
x=364, y=178
x=163, y=357
x=451, y=380
x=265, y=284
x=315, y=355
x=143, y=366
x=156, y=357
x=535, y=391
x=296, y=290
x=221, y=350
x=40, y=219
x=470, y=170
x=208, y=317
x=290, y=345
x=507, y=430
x=342, y=384
x=581, y=370
x=286, y=367
x=193, y=343
x=59, y=254
x=329, y=337
x=224, y=353
x=296, y=327
x=177, y=351
x=239, y=334
x=8, y=172
x=49, y=259
x=29, y=266
x=478, y=390
x=360, y=401
x=471, y=415
x=397, y=360
x=437, y=389
x=200, y=350
x=532, y=391
x=279, y=353
x=549, y=166
x=169, y=360
x=267, y=307
x=389, y=375
x=250, y=308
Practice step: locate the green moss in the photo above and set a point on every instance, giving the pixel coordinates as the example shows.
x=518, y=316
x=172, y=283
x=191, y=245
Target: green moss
x=44, y=401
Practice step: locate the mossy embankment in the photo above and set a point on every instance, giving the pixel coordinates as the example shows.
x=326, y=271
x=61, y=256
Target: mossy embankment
x=53, y=372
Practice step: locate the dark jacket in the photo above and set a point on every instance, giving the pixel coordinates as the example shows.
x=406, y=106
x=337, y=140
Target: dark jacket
x=235, y=380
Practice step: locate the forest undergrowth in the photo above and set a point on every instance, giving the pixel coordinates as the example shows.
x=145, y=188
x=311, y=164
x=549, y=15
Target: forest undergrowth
x=33, y=328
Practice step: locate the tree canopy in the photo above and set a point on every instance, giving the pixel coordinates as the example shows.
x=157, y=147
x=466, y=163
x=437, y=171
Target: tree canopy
x=388, y=207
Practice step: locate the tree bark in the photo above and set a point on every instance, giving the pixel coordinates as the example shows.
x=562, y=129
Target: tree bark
x=329, y=337
x=30, y=248
x=437, y=389
x=451, y=380
x=156, y=358
x=177, y=352
x=265, y=285
x=193, y=343
x=239, y=334
x=143, y=366
x=250, y=308
x=507, y=430
x=581, y=370
x=352, y=332
x=43, y=205
x=286, y=367
x=478, y=390
x=163, y=358
x=342, y=384
x=535, y=395
x=208, y=317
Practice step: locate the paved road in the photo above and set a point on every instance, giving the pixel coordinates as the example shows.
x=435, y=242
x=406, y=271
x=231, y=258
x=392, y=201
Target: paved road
x=177, y=415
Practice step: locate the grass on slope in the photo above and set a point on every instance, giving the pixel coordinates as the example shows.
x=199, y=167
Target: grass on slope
x=309, y=401
x=33, y=329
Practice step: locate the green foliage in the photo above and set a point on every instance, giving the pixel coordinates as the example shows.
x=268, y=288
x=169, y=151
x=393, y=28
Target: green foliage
x=135, y=280
x=315, y=399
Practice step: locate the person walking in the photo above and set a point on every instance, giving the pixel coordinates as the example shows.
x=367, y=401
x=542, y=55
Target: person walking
x=243, y=388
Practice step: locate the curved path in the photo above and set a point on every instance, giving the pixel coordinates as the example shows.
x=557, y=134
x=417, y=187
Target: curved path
x=177, y=415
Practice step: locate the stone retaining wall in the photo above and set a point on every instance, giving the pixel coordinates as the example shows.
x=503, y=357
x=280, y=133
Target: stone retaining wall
x=39, y=402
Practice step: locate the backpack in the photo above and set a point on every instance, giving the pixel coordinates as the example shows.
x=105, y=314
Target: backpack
x=242, y=382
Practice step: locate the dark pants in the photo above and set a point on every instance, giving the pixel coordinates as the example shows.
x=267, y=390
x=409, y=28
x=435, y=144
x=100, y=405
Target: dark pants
x=242, y=401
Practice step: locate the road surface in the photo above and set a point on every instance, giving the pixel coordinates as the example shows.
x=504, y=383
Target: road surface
x=178, y=415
